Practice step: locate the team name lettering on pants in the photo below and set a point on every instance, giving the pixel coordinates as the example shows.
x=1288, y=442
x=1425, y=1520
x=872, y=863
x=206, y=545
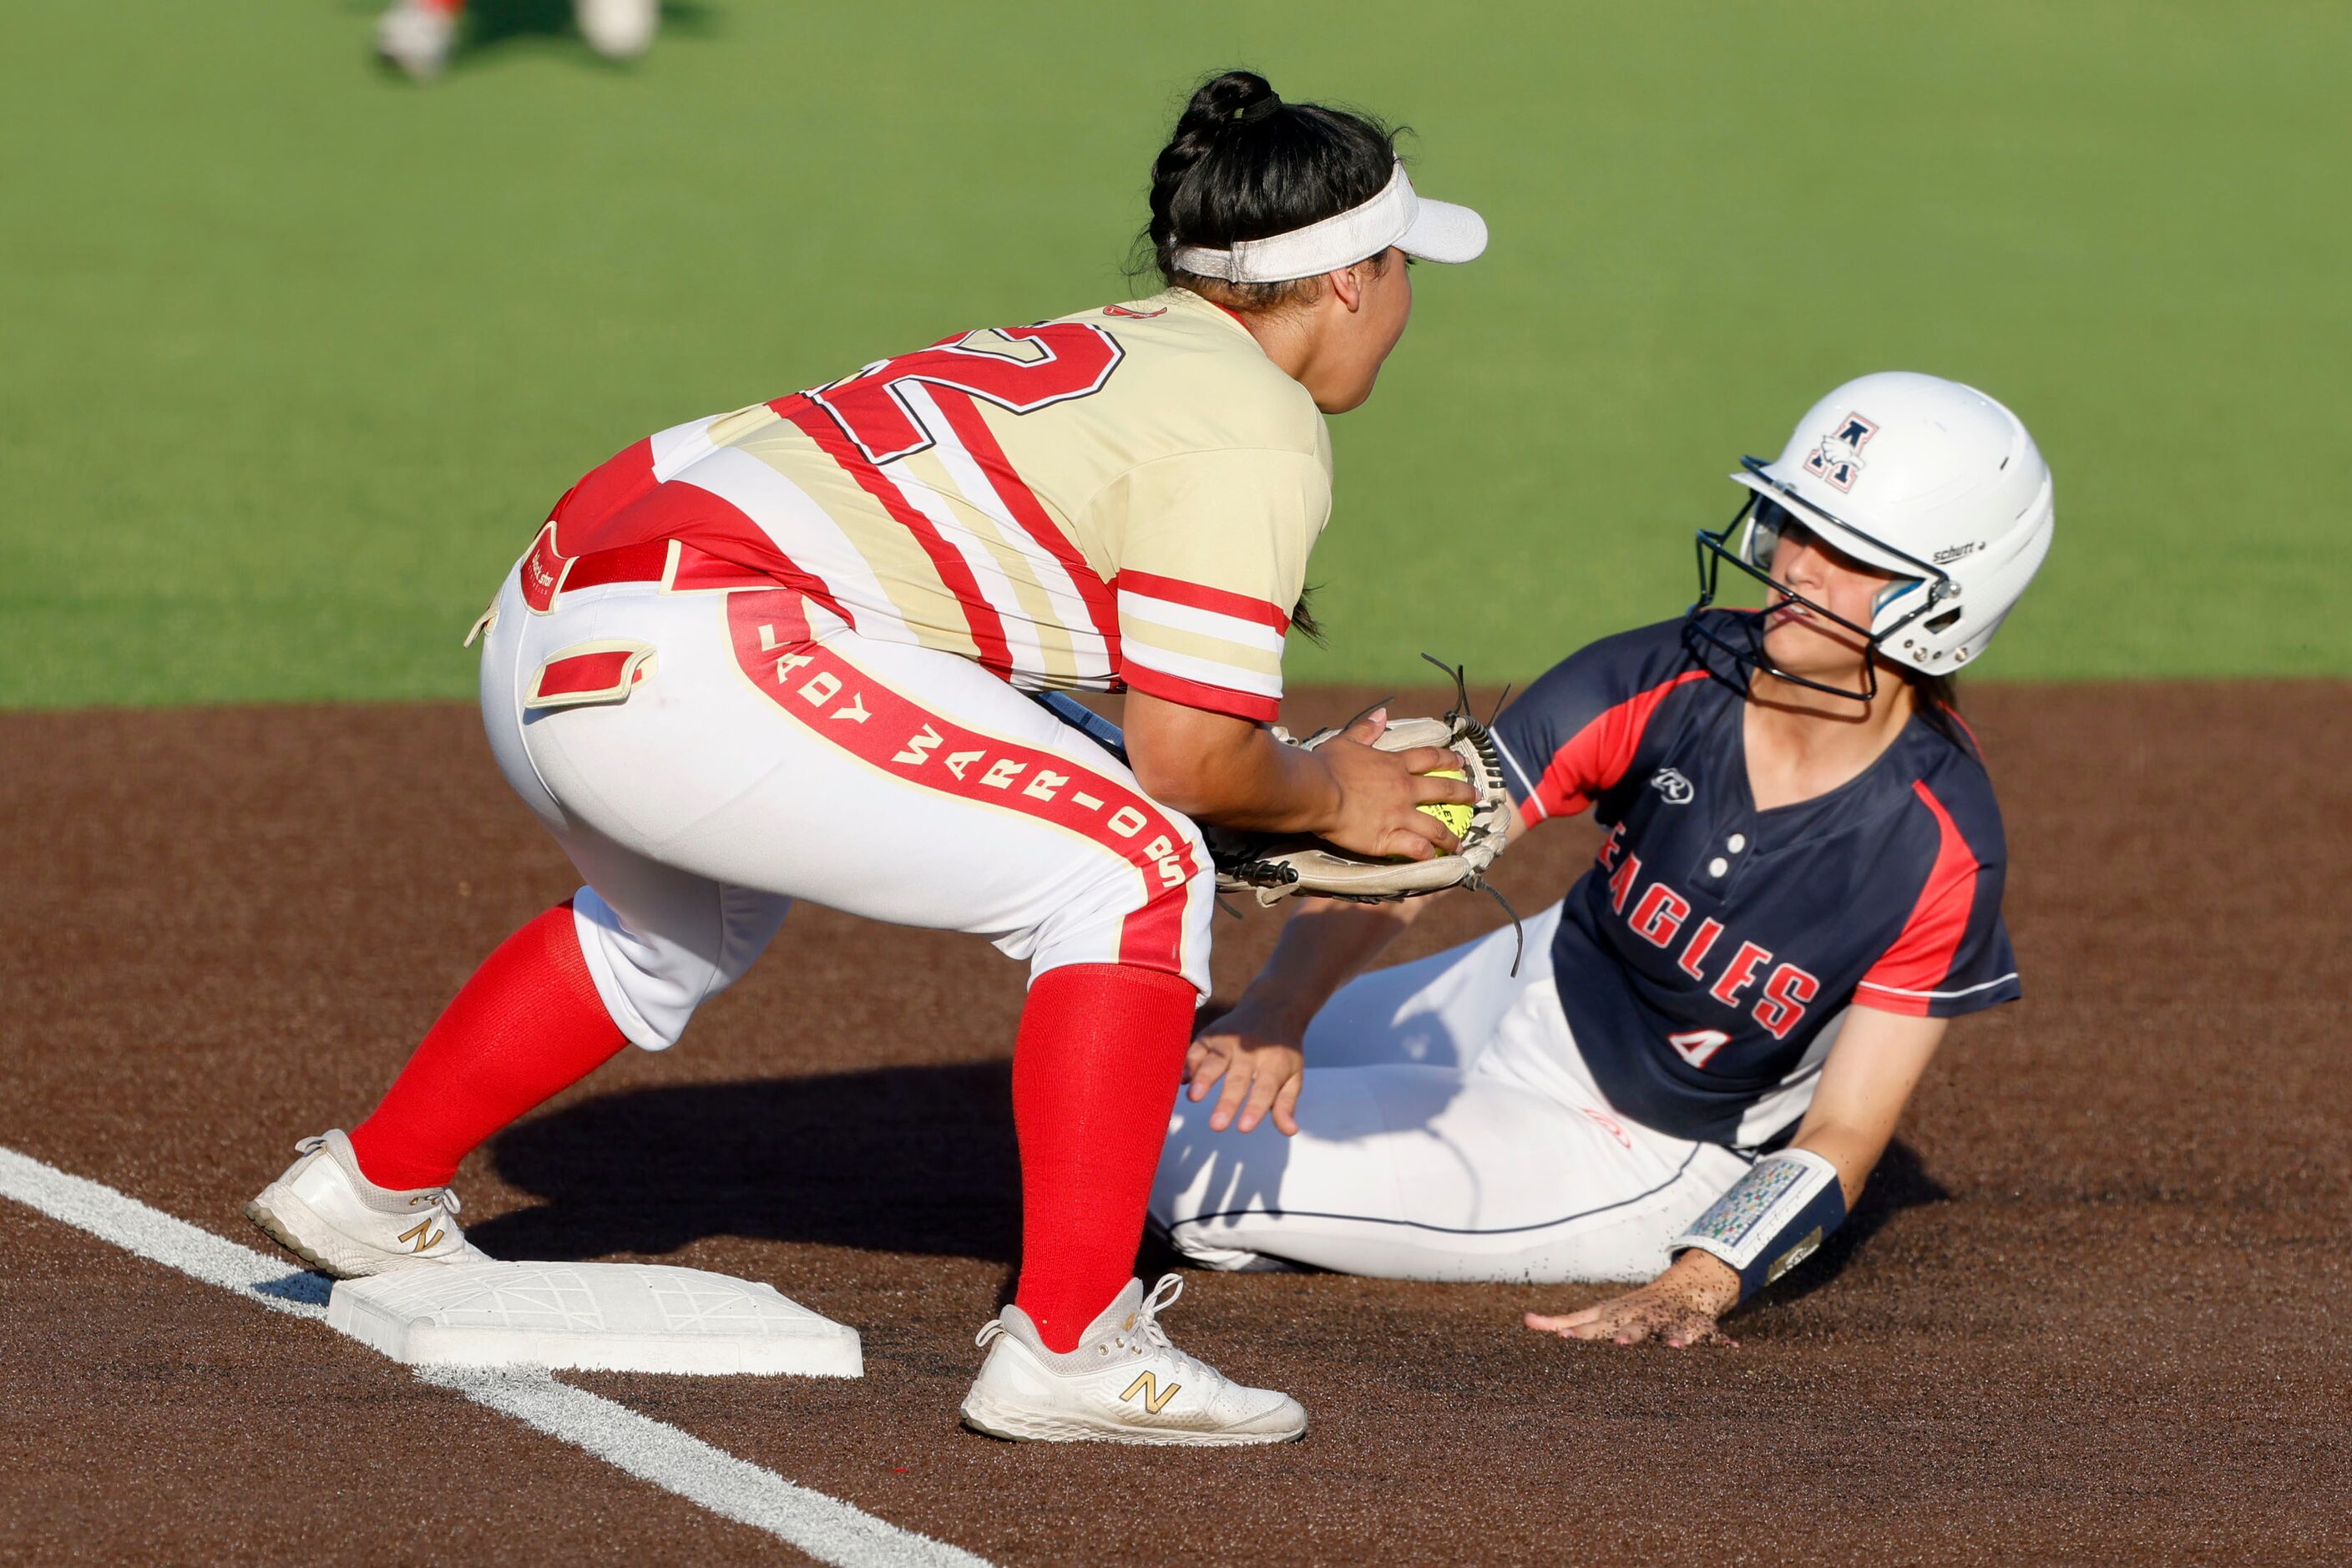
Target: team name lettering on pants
x=807, y=679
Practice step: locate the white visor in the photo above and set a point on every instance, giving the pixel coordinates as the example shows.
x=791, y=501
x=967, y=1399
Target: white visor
x=1433, y=231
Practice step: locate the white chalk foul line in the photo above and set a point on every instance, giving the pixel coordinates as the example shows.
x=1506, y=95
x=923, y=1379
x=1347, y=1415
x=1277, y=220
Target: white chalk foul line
x=824, y=1527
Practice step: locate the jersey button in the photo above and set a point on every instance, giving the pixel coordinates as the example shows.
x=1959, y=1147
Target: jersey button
x=1737, y=842
x=1718, y=867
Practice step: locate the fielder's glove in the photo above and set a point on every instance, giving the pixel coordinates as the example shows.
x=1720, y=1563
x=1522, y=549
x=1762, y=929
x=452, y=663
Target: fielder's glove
x=1280, y=866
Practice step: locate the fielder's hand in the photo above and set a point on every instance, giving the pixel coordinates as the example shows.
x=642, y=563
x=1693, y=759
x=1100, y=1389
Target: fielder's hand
x=1380, y=842
x=1679, y=1307
x=1261, y=1065
x=1382, y=793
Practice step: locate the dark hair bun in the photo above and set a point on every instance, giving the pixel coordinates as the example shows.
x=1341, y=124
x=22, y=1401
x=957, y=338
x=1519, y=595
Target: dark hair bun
x=1225, y=99
x=1245, y=164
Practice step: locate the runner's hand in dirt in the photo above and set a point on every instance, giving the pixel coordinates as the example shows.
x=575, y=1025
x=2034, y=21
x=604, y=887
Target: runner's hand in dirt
x=1260, y=1061
x=1679, y=1307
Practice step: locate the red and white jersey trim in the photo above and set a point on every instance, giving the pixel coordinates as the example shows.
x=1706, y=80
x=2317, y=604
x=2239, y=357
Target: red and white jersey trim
x=1163, y=612
x=1054, y=575
x=805, y=534
x=1172, y=632
x=995, y=495
x=1089, y=648
x=1242, y=683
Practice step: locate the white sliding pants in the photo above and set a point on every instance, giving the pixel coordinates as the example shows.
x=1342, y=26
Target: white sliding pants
x=707, y=757
x=1448, y=1131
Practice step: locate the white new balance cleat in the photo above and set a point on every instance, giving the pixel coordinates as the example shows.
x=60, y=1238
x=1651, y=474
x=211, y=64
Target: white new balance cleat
x=1124, y=1384
x=618, y=29
x=334, y=1218
x=416, y=38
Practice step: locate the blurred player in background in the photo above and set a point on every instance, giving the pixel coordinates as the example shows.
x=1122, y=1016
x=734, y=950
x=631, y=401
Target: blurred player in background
x=1706, y=1048
x=785, y=653
x=417, y=35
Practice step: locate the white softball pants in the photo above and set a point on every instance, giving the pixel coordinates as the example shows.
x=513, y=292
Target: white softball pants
x=705, y=758
x=1448, y=1129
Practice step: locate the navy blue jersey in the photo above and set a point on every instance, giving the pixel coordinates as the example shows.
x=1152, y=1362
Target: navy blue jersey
x=1705, y=962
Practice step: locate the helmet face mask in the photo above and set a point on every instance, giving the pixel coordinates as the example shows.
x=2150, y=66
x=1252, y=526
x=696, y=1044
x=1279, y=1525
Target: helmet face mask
x=1925, y=481
x=1751, y=542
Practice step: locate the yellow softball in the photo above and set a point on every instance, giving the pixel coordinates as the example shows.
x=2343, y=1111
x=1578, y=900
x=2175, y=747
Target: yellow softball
x=1455, y=815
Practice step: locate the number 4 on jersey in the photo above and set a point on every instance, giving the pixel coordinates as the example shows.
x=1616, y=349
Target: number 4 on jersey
x=1063, y=360
x=1698, y=1044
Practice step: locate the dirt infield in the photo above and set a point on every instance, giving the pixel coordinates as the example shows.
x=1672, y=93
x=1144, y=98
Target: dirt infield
x=2095, y=1306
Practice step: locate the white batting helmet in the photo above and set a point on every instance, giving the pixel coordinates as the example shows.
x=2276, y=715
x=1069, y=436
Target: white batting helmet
x=1923, y=478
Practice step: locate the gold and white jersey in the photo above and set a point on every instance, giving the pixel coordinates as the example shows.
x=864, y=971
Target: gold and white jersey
x=1121, y=497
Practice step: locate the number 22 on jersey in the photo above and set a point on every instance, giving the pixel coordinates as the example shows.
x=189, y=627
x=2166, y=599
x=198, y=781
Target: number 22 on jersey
x=1063, y=360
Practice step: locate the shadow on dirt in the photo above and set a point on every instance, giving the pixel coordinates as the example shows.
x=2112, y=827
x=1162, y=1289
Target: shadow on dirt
x=911, y=1160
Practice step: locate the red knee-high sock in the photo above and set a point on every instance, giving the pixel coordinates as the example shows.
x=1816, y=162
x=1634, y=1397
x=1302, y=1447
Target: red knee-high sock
x=528, y=1024
x=1094, y=1077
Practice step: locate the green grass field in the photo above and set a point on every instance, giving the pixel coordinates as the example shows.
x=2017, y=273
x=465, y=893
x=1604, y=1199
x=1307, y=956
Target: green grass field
x=296, y=355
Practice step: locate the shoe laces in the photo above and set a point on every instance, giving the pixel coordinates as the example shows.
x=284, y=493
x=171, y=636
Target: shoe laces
x=444, y=1198
x=1141, y=1335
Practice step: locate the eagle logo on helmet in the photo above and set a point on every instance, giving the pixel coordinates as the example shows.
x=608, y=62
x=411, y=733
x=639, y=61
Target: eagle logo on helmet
x=1837, y=461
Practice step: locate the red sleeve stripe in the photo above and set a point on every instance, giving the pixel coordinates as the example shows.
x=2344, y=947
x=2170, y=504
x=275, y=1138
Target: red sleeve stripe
x=1199, y=596
x=1904, y=978
x=1199, y=694
x=987, y=626
x=971, y=428
x=1598, y=755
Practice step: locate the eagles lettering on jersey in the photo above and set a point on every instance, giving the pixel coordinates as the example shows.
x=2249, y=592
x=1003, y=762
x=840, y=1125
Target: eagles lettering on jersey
x=1121, y=497
x=1706, y=960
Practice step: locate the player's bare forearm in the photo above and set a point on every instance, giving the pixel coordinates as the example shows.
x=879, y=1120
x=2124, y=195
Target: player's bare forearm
x=1214, y=767
x=1853, y=1150
x=1326, y=943
x=1218, y=769
x=1877, y=1061
x=1867, y=1080
x=1257, y=1047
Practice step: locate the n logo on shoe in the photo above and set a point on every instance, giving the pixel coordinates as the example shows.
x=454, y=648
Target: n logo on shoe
x=1155, y=1398
x=416, y=1232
